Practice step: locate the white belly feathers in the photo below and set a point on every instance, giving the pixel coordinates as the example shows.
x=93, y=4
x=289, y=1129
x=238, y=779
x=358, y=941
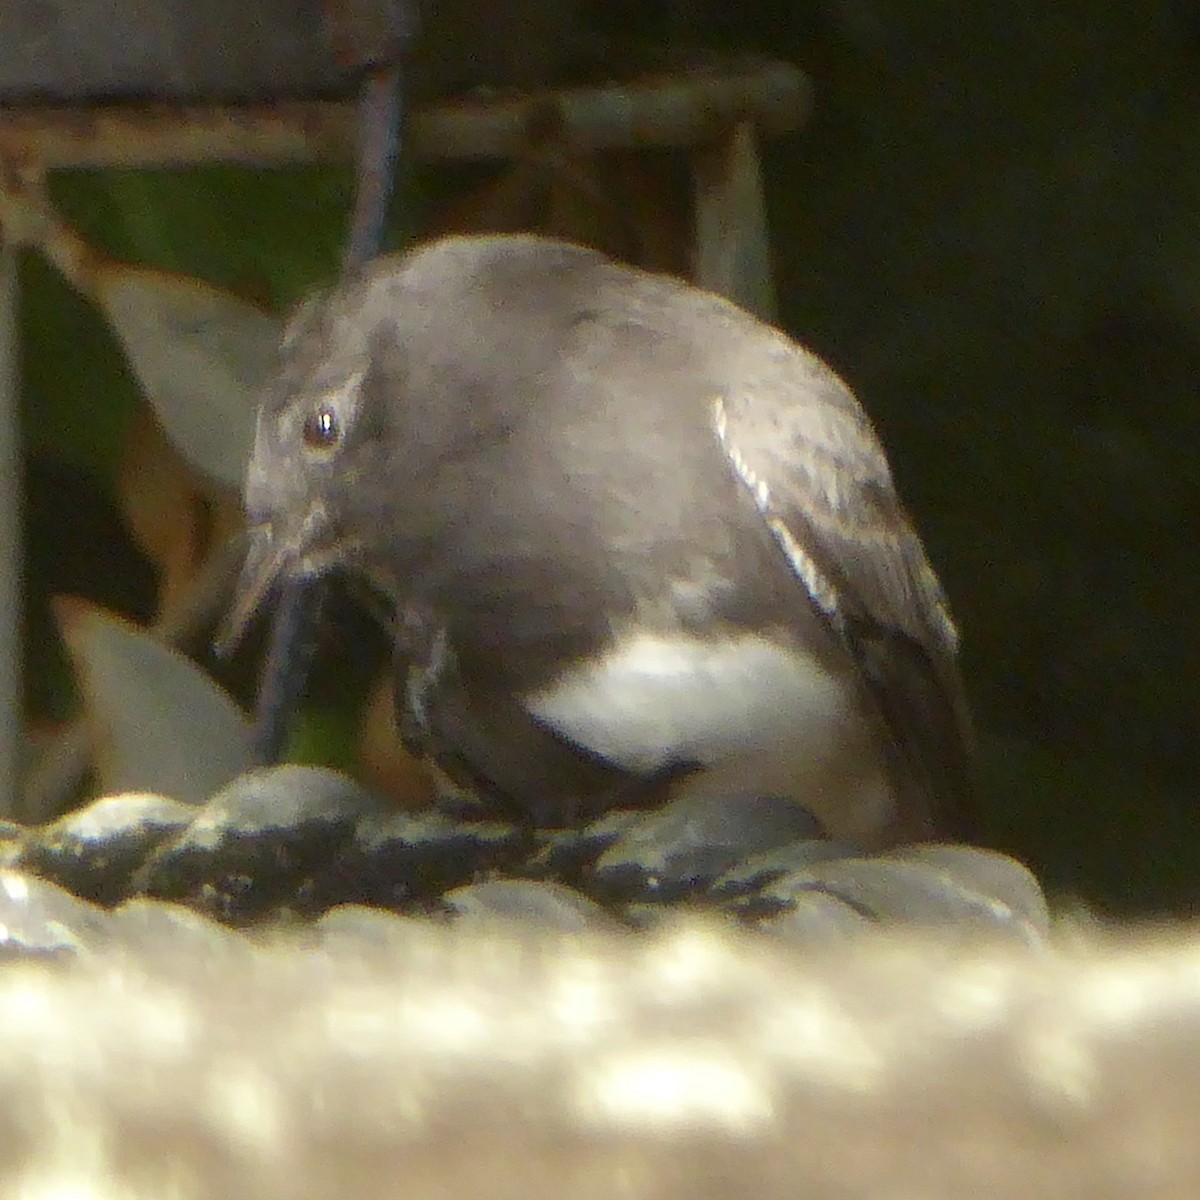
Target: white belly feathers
x=763, y=716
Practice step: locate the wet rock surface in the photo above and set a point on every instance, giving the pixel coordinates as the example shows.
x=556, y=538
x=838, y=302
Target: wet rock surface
x=259, y=844
x=552, y=906
x=95, y=851
x=309, y=846
x=399, y=859
x=683, y=848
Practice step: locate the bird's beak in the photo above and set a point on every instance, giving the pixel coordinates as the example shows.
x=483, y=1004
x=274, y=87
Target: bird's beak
x=276, y=551
x=269, y=558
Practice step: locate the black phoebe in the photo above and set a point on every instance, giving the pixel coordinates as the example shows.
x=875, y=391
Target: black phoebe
x=633, y=539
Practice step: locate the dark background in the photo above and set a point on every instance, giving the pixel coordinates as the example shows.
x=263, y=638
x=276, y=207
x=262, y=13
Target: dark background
x=990, y=226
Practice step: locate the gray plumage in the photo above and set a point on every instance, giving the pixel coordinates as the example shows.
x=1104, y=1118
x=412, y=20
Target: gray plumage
x=542, y=458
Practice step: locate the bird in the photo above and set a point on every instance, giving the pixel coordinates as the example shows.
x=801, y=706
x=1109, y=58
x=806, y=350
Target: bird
x=633, y=543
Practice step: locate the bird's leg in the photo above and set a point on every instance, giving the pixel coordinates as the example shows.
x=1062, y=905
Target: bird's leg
x=289, y=656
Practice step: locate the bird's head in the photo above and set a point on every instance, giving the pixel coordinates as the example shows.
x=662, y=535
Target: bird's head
x=319, y=452
x=388, y=385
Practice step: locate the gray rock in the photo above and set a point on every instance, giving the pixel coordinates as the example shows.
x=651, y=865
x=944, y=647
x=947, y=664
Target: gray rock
x=1008, y=883
x=260, y=843
x=568, y=854
x=402, y=859
x=813, y=917
x=958, y=886
x=360, y=926
x=95, y=851
x=297, y=842
x=684, y=847
x=754, y=873
x=535, y=904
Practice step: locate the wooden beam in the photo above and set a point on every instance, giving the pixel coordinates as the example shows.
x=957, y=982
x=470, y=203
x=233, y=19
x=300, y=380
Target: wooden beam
x=676, y=110
x=732, y=245
x=11, y=721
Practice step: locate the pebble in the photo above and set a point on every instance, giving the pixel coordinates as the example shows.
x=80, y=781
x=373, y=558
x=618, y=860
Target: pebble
x=688, y=844
x=306, y=845
x=96, y=850
x=259, y=843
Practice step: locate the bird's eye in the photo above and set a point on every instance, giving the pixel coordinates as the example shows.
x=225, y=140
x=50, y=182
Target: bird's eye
x=322, y=431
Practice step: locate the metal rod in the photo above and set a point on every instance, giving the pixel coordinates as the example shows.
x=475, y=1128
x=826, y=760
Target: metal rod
x=294, y=623
x=381, y=113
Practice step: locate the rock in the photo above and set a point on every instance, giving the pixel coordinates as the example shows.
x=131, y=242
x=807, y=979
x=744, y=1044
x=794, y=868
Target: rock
x=360, y=926
x=259, y=843
x=754, y=873
x=813, y=917
x=568, y=854
x=534, y=904
x=297, y=842
x=950, y=886
x=402, y=859
x=95, y=851
x=684, y=847
x=1010, y=884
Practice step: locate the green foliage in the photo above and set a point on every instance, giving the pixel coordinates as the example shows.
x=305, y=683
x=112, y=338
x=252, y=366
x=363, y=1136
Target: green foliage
x=324, y=736
x=77, y=394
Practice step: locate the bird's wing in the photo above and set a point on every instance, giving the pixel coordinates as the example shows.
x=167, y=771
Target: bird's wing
x=801, y=444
